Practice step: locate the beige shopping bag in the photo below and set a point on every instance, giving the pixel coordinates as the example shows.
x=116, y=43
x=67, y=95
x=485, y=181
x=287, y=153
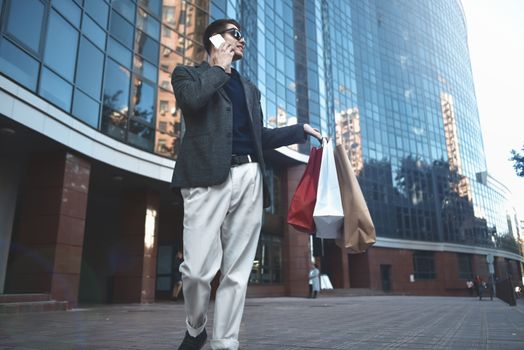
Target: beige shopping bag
x=358, y=232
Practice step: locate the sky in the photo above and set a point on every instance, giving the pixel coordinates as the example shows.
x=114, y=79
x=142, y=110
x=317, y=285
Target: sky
x=496, y=47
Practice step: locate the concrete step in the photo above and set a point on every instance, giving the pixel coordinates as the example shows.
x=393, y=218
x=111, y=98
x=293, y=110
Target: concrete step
x=352, y=292
x=33, y=306
x=30, y=302
x=19, y=298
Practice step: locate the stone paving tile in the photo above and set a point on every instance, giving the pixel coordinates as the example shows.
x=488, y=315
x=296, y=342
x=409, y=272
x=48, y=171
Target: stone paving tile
x=381, y=322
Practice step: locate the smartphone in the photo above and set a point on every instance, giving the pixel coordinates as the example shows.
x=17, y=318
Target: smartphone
x=217, y=40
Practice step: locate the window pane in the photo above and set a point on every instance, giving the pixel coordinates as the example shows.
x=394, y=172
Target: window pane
x=168, y=15
x=116, y=90
x=148, y=23
x=25, y=22
x=86, y=109
x=152, y=5
x=60, y=51
x=55, y=89
x=121, y=29
x=169, y=59
x=69, y=9
x=18, y=65
x=147, y=47
x=94, y=32
x=119, y=52
x=114, y=123
x=144, y=97
x=140, y=135
x=195, y=51
x=98, y=10
x=126, y=8
x=89, y=69
x=145, y=69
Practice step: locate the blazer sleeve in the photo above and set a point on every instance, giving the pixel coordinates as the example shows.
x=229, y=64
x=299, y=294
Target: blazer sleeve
x=193, y=91
x=284, y=136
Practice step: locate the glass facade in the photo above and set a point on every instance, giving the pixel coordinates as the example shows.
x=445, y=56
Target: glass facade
x=107, y=63
x=389, y=79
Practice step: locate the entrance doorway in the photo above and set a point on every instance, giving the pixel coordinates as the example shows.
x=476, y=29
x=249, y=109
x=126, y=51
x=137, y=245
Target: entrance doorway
x=385, y=277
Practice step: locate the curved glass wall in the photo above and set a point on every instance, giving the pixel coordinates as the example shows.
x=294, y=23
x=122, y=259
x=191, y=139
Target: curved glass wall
x=107, y=63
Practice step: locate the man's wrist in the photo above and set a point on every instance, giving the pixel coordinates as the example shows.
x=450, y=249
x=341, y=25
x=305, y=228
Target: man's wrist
x=221, y=67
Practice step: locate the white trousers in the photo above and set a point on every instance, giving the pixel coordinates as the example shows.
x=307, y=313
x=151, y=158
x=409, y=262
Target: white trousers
x=221, y=230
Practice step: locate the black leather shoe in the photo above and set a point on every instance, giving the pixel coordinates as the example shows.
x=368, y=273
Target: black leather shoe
x=193, y=343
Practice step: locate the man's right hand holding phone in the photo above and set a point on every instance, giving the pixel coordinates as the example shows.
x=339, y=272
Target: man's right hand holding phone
x=222, y=55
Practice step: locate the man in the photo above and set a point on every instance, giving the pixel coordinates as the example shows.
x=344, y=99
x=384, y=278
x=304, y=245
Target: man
x=219, y=172
x=314, y=280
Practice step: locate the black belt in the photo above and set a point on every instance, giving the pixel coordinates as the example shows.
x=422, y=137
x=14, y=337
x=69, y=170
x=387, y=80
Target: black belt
x=239, y=159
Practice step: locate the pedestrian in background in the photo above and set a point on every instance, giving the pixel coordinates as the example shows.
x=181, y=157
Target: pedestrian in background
x=470, y=285
x=220, y=175
x=314, y=281
x=478, y=284
x=177, y=276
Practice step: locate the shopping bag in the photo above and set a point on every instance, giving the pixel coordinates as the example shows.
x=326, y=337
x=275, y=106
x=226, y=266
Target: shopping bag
x=358, y=232
x=328, y=213
x=300, y=213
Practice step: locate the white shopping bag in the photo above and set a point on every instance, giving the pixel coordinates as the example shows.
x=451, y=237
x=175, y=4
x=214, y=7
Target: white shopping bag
x=328, y=213
x=325, y=283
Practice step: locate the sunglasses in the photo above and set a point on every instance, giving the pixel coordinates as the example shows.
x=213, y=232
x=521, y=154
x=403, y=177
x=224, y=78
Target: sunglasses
x=234, y=32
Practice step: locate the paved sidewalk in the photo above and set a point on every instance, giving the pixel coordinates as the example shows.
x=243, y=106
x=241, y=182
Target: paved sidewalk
x=382, y=322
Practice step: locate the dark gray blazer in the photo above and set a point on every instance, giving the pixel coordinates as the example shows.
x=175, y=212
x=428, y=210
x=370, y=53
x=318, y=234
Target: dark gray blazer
x=204, y=158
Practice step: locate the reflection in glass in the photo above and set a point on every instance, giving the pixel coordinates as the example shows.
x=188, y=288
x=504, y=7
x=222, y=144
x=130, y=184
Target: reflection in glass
x=153, y=6
x=168, y=13
x=116, y=89
x=349, y=135
x=196, y=21
x=60, y=50
x=94, y=32
x=168, y=117
x=69, y=9
x=147, y=23
x=144, y=68
x=99, y=10
x=126, y=8
x=18, y=65
x=146, y=46
x=140, y=135
x=195, y=51
x=168, y=125
x=121, y=29
x=89, y=68
x=119, y=52
x=143, y=100
x=86, y=109
x=25, y=20
x=114, y=124
x=56, y=89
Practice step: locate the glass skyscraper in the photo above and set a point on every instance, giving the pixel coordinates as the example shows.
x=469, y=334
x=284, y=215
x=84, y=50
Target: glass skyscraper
x=85, y=90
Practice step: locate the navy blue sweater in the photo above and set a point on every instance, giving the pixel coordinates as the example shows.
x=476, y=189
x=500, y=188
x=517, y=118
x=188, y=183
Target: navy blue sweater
x=242, y=138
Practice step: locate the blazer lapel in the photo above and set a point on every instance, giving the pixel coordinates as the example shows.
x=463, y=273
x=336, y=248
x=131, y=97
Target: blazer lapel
x=249, y=95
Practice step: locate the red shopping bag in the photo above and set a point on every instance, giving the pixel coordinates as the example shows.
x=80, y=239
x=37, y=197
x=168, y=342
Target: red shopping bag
x=300, y=214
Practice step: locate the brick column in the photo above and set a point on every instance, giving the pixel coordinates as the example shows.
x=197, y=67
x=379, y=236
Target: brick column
x=136, y=248
x=48, y=246
x=295, y=246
